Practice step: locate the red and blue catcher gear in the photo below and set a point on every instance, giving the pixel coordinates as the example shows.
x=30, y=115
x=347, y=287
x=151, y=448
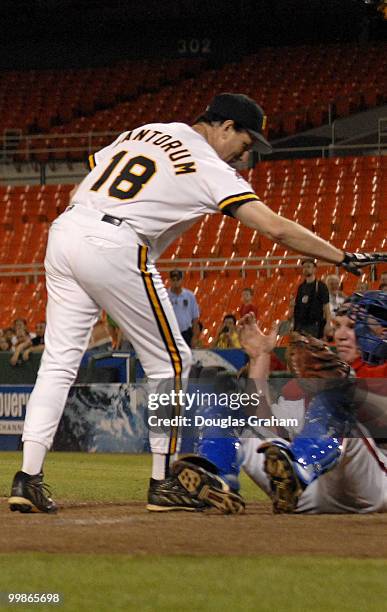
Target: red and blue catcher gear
x=369, y=311
x=312, y=457
x=317, y=448
x=223, y=452
x=221, y=446
x=309, y=457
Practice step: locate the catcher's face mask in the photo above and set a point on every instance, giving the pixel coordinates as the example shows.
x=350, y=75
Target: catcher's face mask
x=369, y=312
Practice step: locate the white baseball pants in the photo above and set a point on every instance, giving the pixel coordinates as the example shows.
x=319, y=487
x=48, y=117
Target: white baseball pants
x=357, y=484
x=91, y=264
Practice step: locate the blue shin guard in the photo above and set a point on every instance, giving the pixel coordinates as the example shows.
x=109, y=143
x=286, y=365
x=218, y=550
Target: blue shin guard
x=223, y=452
x=317, y=448
x=314, y=456
x=220, y=446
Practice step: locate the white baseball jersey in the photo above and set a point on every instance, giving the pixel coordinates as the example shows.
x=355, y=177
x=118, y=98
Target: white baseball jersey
x=161, y=178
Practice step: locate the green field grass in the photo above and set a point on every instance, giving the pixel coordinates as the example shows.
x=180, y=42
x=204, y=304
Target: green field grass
x=124, y=582
x=290, y=584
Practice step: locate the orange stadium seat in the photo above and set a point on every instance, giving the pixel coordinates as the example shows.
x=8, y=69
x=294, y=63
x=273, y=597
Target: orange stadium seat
x=342, y=199
x=295, y=85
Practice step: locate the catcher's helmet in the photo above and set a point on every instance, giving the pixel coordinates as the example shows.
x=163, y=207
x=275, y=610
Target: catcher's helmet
x=369, y=311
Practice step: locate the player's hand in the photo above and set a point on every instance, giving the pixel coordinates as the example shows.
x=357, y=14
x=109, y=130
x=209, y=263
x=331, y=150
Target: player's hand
x=354, y=262
x=252, y=338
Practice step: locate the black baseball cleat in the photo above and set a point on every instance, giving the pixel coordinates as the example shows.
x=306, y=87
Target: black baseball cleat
x=286, y=487
x=30, y=494
x=208, y=488
x=167, y=495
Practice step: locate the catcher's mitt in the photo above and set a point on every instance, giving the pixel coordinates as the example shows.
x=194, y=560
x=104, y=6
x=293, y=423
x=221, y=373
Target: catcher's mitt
x=309, y=358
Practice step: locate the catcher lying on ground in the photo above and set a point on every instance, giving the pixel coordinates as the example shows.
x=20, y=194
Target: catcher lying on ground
x=332, y=465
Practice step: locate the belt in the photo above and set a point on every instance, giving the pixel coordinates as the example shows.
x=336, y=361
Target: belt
x=113, y=220
x=107, y=218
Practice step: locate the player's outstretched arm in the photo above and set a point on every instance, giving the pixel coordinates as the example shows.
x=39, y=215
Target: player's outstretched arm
x=279, y=229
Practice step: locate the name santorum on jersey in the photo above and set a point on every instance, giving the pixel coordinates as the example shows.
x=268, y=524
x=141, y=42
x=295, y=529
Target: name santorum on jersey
x=172, y=147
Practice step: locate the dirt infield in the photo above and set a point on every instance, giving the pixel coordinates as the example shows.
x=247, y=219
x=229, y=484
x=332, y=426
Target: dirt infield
x=130, y=529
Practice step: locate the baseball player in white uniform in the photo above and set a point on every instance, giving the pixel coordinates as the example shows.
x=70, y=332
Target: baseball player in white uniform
x=143, y=191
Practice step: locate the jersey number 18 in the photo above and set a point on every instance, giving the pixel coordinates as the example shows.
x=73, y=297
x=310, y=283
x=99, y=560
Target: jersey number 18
x=146, y=169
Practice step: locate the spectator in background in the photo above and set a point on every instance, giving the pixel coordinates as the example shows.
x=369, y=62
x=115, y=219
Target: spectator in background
x=336, y=296
x=114, y=332
x=27, y=343
x=227, y=336
x=383, y=287
x=20, y=328
x=4, y=344
x=247, y=303
x=383, y=281
x=21, y=341
x=118, y=340
x=38, y=339
x=9, y=334
x=106, y=336
x=197, y=340
x=312, y=314
x=185, y=306
x=37, y=342
x=100, y=339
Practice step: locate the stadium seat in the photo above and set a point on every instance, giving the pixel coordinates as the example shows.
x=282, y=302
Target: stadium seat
x=340, y=198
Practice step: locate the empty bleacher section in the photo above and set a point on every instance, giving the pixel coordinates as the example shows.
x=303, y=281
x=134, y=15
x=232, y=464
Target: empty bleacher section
x=299, y=87
x=36, y=100
x=342, y=199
